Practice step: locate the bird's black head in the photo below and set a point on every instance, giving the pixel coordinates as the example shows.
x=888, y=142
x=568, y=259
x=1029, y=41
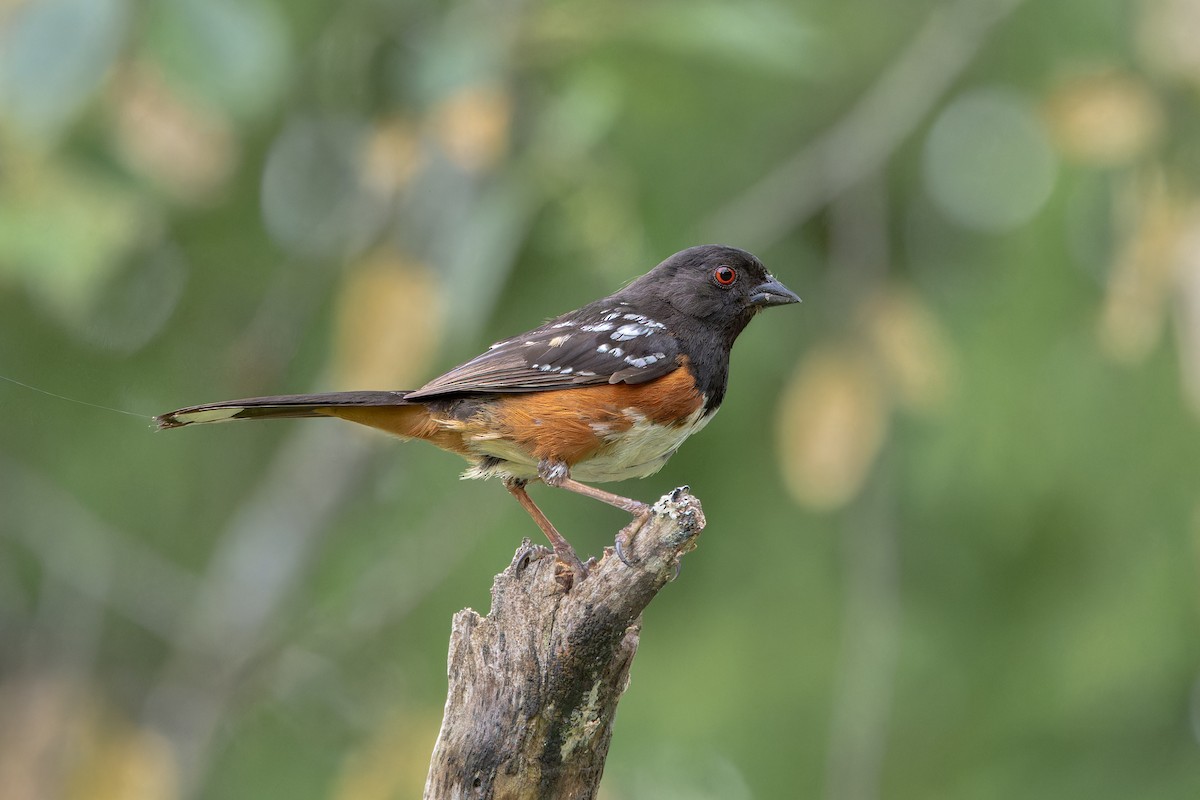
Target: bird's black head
x=721, y=287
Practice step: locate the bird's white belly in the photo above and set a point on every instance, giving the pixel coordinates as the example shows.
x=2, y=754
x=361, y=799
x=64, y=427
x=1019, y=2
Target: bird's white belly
x=640, y=450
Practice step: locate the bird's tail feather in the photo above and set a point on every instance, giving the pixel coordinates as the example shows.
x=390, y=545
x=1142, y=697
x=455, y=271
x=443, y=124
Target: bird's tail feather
x=279, y=407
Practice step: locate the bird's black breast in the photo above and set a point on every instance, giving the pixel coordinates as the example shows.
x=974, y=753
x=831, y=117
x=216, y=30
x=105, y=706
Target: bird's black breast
x=708, y=359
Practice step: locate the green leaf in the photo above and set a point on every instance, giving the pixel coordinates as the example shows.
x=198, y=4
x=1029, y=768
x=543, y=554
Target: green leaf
x=53, y=56
x=64, y=231
x=234, y=53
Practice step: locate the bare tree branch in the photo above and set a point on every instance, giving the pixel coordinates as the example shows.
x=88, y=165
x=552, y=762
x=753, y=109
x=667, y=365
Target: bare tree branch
x=534, y=685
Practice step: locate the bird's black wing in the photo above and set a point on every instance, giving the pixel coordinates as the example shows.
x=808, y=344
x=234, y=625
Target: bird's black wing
x=606, y=342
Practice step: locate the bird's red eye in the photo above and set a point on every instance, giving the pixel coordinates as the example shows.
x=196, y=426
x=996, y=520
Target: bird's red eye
x=724, y=275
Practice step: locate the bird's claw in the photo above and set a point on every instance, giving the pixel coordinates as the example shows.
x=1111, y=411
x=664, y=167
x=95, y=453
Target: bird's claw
x=528, y=554
x=626, y=535
x=619, y=549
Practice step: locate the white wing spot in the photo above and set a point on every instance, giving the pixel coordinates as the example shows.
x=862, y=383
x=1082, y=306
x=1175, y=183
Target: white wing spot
x=644, y=320
x=627, y=332
x=645, y=360
x=563, y=325
x=557, y=341
x=612, y=351
x=597, y=326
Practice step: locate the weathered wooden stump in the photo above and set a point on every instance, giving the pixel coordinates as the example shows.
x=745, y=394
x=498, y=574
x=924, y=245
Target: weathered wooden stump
x=534, y=685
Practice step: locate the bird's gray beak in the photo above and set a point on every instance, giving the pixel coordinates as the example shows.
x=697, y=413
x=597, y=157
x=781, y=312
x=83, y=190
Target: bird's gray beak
x=772, y=293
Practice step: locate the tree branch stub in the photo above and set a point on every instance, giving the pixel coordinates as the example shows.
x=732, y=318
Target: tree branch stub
x=534, y=685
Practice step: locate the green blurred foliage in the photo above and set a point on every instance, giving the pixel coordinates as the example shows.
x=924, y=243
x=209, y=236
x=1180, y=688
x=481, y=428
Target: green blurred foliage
x=952, y=499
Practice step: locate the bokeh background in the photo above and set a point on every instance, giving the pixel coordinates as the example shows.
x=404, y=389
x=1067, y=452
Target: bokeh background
x=954, y=517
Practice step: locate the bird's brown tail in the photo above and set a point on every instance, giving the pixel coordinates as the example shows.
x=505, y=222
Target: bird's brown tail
x=329, y=404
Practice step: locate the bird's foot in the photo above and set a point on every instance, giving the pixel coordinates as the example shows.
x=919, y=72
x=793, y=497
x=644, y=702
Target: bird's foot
x=626, y=535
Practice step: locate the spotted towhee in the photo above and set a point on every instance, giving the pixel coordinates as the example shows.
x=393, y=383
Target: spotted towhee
x=604, y=393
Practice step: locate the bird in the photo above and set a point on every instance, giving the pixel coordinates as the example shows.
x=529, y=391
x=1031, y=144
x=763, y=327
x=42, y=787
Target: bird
x=606, y=392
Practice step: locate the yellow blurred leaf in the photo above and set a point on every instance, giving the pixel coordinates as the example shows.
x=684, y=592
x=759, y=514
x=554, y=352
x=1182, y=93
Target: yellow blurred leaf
x=183, y=146
x=472, y=126
x=1167, y=33
x=1104, y=118
x=392, y=763
x=833, y=419
x=391, y=158
x=59, y=738
x=912, y=348
x=389, y=320
x=123, y=762
x=1132, y=317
